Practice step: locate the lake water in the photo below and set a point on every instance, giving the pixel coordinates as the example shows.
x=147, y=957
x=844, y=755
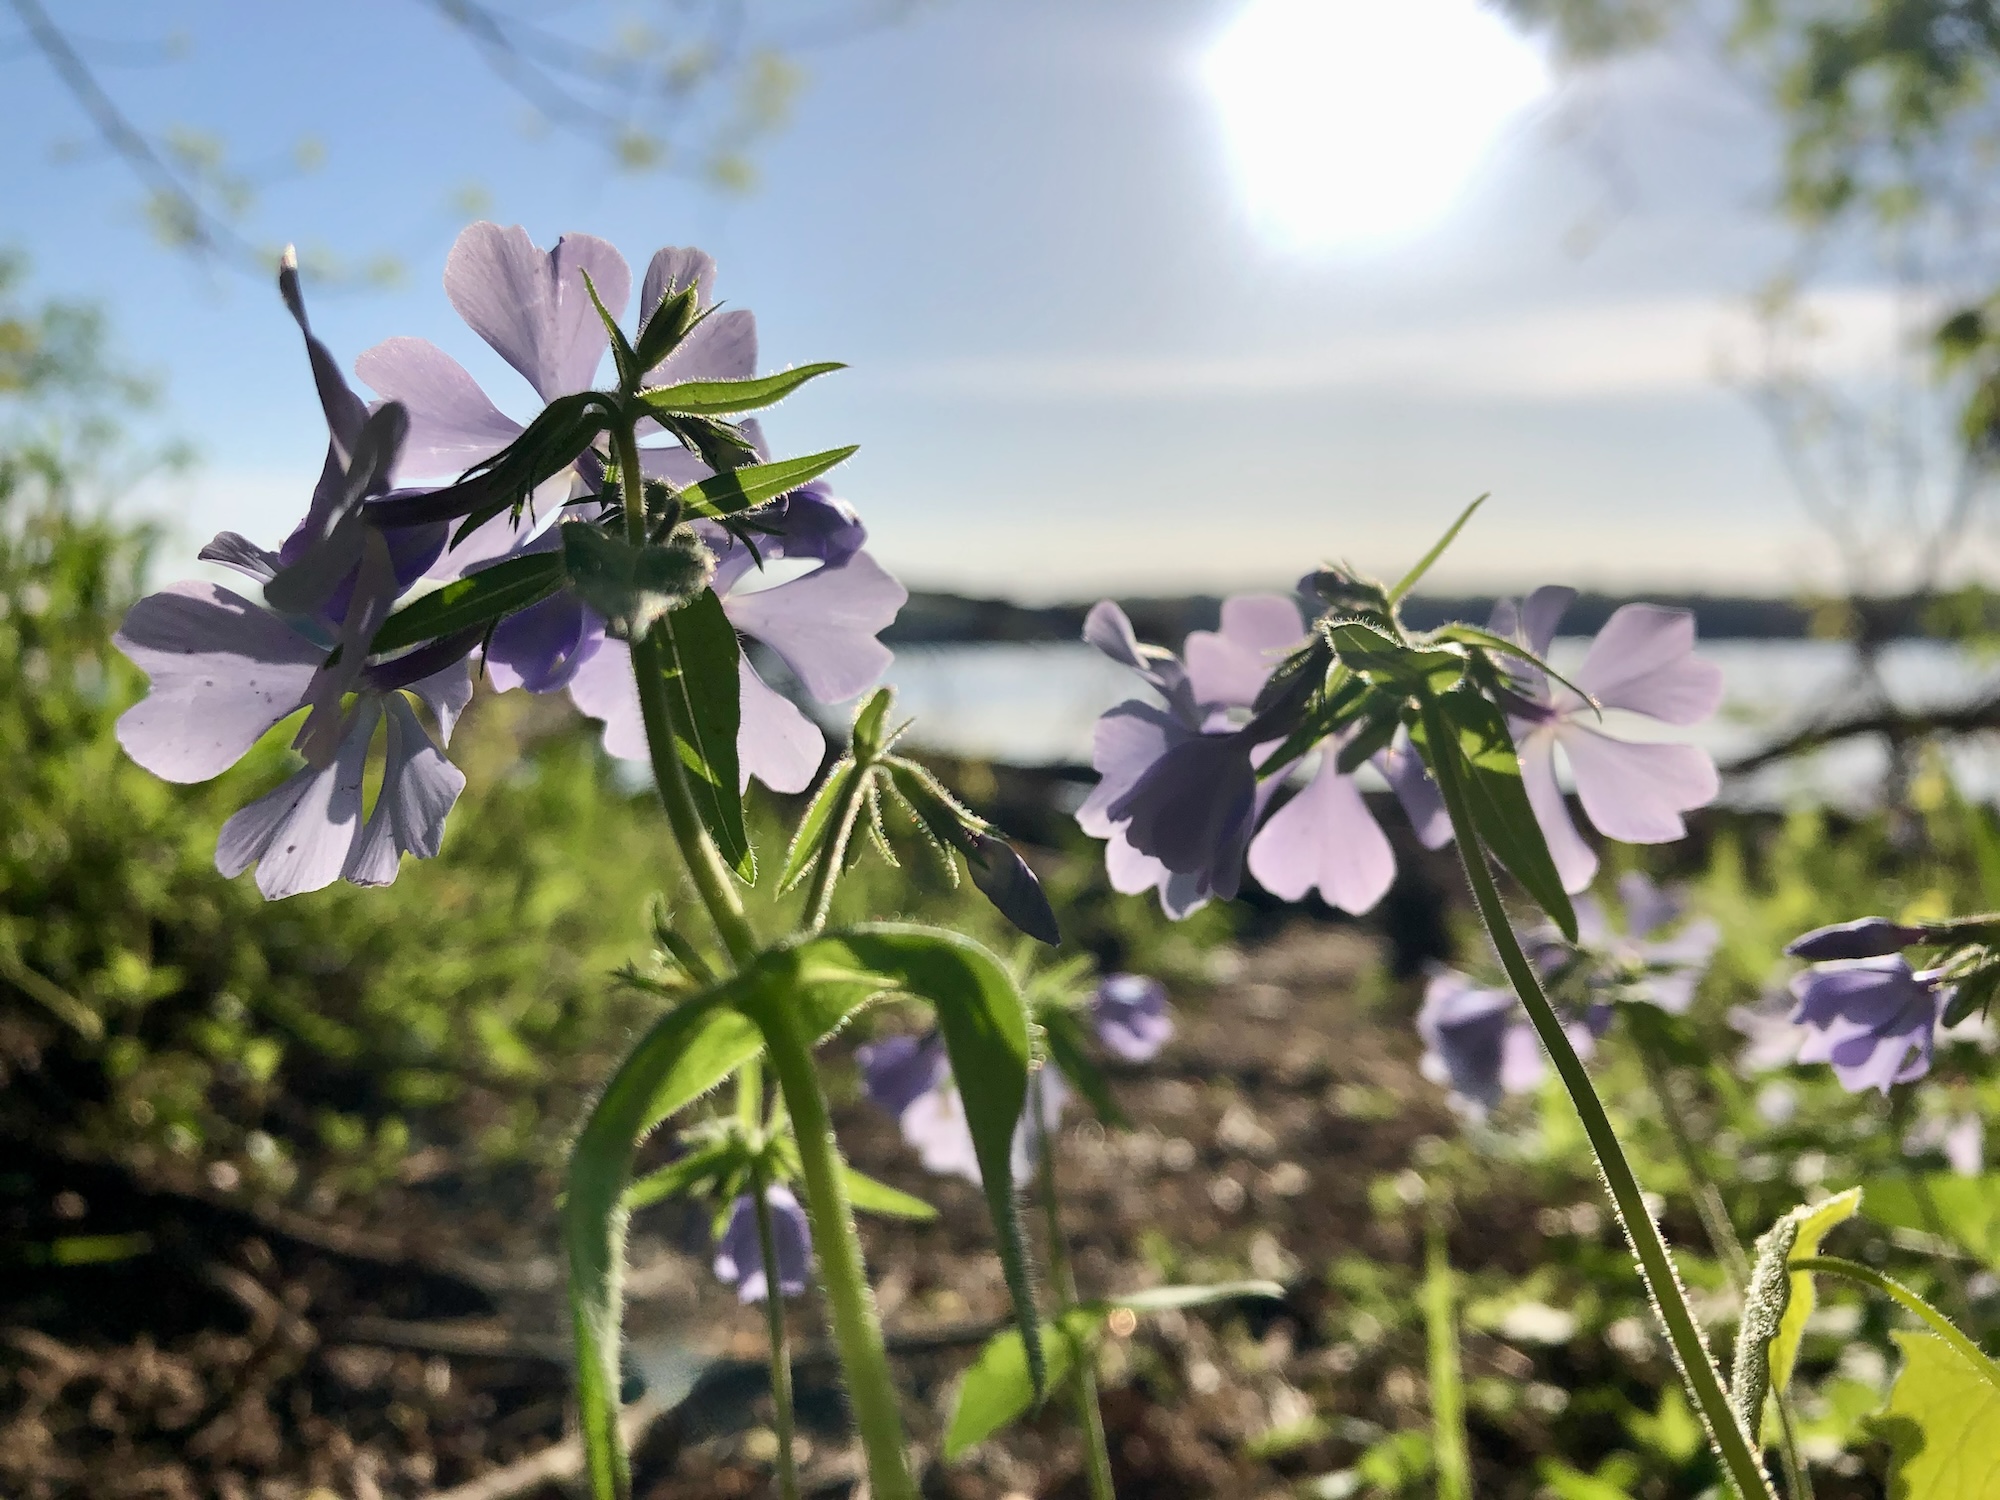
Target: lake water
x=1036, y=704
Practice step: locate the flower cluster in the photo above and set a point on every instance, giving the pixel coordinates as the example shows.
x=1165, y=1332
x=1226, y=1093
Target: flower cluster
x=224, y=670
x=1191, y=788
x=910, y=1077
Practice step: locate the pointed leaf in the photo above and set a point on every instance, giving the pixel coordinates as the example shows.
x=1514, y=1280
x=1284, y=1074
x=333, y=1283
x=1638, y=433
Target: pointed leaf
x=871, y=1197
x=698, y=651
x=1424, y=564
x=868, y=722
x=742, y=489
x=824, y=816
x=722, y=398
x=676, y=1178
x=622, y=356
x=1942, y=1424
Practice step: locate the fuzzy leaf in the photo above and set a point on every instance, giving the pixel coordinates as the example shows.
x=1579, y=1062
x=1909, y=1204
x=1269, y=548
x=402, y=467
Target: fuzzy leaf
x=823, y=818
x=722, y=398
x=742, y=489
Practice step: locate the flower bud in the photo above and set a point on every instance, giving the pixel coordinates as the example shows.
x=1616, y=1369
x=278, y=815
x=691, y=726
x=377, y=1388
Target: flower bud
x=1866, y=937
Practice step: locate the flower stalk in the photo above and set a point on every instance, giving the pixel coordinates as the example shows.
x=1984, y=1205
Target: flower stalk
x=1744, y=1472
x=782, y=1423
x=1083, y=1383
x=836, y=1247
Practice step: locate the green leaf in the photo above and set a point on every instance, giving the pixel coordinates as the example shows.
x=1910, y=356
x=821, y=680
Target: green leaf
x=871, y=1197
x=699, y=652
x=632, y=587
x=722, y=398
x=1776, y=1305
x=742, y=489
x=551, y=443
x=1000, y=1387
x=1942, y=1424
x=1501, y=814
x=824, y=816
x=1429, y=559
x=465, y=603
x=1382, y=659
x=1472, y=635
x=1968, y=1208
x=985, y=1026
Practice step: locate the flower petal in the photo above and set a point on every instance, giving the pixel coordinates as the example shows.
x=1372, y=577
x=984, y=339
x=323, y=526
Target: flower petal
x=223, y=671
x=1633, y=791
x=301, y=835
x=452, y=423
x=1643, y=660
x=1574, y=860
x=1108, y=629
x=775, y=741
x=1230, y=666
x=531, y=305
x=824, y=625
x=1410, y=779
x=603, y=689
x=1325, y=837
x=542, y=646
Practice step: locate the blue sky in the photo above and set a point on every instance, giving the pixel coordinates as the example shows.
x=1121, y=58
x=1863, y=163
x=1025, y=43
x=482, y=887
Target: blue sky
x=1077, y=364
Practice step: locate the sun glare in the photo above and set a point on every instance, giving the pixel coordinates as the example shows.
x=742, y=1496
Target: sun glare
x=1356, y=123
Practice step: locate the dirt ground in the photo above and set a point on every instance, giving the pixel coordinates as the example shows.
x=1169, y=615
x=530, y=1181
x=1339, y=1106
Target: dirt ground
x=258, y=1355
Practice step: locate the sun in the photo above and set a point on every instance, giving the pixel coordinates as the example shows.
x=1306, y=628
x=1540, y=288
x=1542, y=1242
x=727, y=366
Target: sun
x=1357, y=123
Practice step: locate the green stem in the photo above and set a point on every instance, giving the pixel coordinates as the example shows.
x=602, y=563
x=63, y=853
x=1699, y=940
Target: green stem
x=1454, y=1464
x=1943, y=1327
x=1745, y=1474
x=1715, y=1222
x=856, y=1330
x=1083, y=1384
x=781, y=1354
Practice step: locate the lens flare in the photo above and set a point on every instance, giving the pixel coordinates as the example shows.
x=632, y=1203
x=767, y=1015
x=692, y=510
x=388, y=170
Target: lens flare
x=1357, y=123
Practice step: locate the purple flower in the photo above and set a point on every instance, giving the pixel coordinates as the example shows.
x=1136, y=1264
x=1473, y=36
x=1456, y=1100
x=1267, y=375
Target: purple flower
x=1130, y=1012
x=739, y=1256
x=1477, y=1041
x=224, y=671
x=1176, y=799
x=911, y=1078
x=1866, y=937
x=1873, y=1019
x=1642, y=662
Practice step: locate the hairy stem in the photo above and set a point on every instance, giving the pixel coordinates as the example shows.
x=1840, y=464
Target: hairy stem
x=1083, y=1383
x=1740, y=1465
x=857, y=1331
x=781, y=1354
